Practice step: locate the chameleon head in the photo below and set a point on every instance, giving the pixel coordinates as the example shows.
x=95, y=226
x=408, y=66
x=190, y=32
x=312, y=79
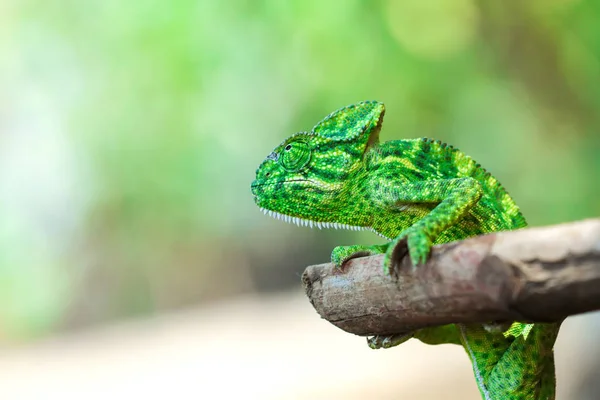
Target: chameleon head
x=310, y=177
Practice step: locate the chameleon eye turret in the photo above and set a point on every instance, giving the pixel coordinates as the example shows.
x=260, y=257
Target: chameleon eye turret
x=415, y=191
x=295, y=155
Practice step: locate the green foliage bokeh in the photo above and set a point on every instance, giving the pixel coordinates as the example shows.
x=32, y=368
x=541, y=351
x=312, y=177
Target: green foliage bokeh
x=131, y=131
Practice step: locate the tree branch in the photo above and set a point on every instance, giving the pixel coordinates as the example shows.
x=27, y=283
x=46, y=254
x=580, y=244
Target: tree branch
x=534, y=274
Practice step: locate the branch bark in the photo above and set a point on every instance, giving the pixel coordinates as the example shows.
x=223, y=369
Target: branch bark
x=534, y=274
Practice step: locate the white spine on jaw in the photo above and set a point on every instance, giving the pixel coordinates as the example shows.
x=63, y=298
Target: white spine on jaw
x=317, y=224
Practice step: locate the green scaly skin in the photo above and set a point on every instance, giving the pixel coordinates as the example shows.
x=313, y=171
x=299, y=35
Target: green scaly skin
x=416, y=193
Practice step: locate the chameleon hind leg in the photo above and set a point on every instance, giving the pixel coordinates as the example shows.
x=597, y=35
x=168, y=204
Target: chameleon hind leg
x=526, y=370
x=516, y=365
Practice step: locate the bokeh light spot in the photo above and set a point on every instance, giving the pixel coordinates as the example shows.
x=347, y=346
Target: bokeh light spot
x=432, y=29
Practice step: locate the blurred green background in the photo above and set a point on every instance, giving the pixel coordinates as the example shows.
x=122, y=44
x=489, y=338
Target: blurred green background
x=130, y=132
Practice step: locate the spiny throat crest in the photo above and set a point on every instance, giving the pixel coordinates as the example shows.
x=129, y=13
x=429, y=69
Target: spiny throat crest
x=310, y=223
x=317, y=224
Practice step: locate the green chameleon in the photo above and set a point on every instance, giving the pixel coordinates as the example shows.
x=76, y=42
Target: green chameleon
x=415, y=193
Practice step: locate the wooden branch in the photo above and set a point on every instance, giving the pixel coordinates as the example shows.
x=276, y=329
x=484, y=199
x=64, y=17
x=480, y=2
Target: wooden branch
x=534, y=274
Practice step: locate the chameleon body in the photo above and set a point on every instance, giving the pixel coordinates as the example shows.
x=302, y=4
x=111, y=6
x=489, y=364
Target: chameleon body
x=416, y=193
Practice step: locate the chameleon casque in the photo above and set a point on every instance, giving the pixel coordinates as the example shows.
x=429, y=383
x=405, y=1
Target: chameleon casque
x=416, y=193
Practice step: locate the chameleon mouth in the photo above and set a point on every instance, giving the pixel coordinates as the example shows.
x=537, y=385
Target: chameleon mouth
x=257, y=184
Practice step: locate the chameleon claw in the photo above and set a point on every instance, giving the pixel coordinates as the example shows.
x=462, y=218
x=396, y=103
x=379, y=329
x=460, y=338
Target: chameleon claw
x=497, y=327
x=388, y=265
x=385, y=342
x=397, y=250
x=414, y=242
x=378, y=342
x=341, y=254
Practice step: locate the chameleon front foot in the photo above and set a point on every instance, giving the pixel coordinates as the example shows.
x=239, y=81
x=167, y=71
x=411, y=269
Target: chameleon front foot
x=385, y=342
x=414, y=241
x=341, y=254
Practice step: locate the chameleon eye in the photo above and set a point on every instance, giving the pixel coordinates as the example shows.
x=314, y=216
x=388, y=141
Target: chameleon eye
x=295, y=156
